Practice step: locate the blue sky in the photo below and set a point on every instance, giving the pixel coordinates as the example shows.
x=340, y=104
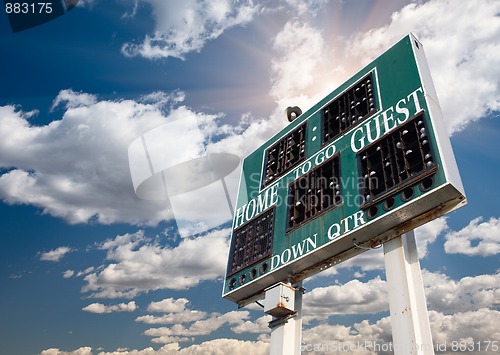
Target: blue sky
x=89, y=268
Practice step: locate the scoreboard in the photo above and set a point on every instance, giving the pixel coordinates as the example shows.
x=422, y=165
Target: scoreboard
x=365, y=164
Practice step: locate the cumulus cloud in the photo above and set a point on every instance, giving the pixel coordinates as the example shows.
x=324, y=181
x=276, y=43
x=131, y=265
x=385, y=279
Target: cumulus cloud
x=376, y=338
x=184, y=316
x=81, y=351
x=137, y=264
x=462, y=59
x=467, y=294
x=56, y=254
x=300, y=53
x=306, y=6
x=468, y=327
x=477, y=239
x=184, y=26
x=168, y=305
x=68, y=274
x=215, y=347
x=72, y=99
x=176, y=312
x=374, y=259
x=259, y=326
x=354, y=297
x=363, y=338
x=206, y=326
x=443, y=295
x=99, y=308
x=77, y=168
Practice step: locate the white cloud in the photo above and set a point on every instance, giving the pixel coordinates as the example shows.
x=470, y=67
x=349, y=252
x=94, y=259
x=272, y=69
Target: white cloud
x=85, y=3
x=468, y=327
x=467, y=294
x=176, y=312
x=259, y=326
x=81, y=351
x=372, y=338
x=168, y=305
x=184, y=26
x=226, y=346
x=477, y=239
x=73, y=99
x=213, y=347
x=338, y=339
x=56, y=254
x=201, y=322
x=300, y=55
x=137, y=265
x=428, y=233
x=462, y=58
x=77, y=167
x=363, y=338
x=68, y=274
x=306, y=6
x=99, y=308
x=443, y=294
x=354, y=297
x=374, y=259
x=201, y=327
x=85, y=272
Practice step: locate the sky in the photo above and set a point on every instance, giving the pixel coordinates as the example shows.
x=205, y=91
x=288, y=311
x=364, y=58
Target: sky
x=90, y=267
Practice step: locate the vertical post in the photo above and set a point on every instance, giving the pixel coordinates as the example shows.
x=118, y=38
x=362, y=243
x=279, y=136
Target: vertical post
x=411, y=333
x=286, y=334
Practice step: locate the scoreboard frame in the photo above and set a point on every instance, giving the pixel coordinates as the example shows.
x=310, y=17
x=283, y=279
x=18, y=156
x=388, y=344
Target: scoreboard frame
x=365, y=164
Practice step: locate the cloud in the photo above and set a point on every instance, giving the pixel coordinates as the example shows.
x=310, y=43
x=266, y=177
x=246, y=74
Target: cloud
x=259, y=326
x=462, y=58
x=56, y=254
x=374, y=259
x=467, y=294
x=214, y=347
x=477, y=239
x=168, y=305
x=176, y=312
x=137, y=264
x=428, y=233
x=306, y=6
x=298, y=45
x=443, y=295
x=185, y=316
x=184, y=26
x=376, y=338
x=81, y=351
x=77, y=167
x=99, y=308
x=467, y=327
x=354, y=297
x=68, y=274
x=206, y=326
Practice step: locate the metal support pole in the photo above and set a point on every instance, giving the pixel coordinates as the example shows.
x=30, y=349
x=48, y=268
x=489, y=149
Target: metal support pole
x=286, y=333
x=411, y=333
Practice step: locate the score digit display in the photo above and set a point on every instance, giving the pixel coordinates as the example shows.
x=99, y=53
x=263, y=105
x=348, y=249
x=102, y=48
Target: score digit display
x=365, y=164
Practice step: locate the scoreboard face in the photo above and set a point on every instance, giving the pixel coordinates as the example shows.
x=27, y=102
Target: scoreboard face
x=365, y=164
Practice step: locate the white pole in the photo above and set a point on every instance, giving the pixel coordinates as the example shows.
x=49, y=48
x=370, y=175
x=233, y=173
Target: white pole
x=411, y=331
x=286, y=334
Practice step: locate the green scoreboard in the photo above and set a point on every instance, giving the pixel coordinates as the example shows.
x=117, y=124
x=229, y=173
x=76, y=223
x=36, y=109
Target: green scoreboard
x=365, y=164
